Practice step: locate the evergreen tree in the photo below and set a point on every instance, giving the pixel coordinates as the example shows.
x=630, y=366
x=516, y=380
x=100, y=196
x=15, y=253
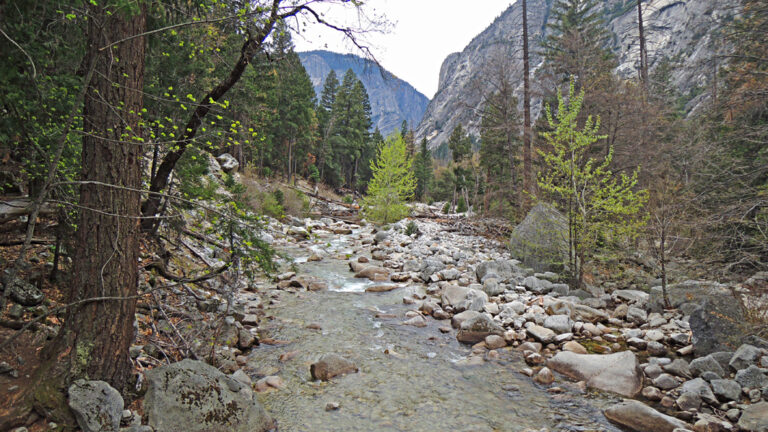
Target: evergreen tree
x=461, y=150
x=423, y=170
x=352, y=113
x=392, y=183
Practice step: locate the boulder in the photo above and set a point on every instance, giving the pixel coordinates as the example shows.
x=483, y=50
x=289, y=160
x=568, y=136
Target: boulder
x=228, y=163
x=745, y=356
x=503, y=270
x=331, y=365
x=541, y=239
x=711, y=423
x=752, y=378
x=559, y=323
x=706, y=364
x=700, y=388
x=462, y=298
x=641, y=418
x=430, y=267
x=459, y=318
x=754, y=418
x=492, y=287
x=619, y=373
x=718, y=324
x=373, y=273
x=476, y=329
x=25, y=294
x=639, y=298
x=536, y=285
x=725, y=389
x=636, y=315
x=577, y=312
x=541, y=334
x=192, y=396
x=97, y=406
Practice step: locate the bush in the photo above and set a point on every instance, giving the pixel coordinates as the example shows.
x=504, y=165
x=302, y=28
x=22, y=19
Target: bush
x=447, y=208
x=461, y=207
x=411, y=229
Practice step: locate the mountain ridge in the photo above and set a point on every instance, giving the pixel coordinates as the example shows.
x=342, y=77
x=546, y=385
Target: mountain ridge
x=392, y=99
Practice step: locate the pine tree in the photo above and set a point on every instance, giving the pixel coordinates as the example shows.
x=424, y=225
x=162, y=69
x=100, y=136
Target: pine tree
x=423, y=170
x=461, y=150
x=392, y=183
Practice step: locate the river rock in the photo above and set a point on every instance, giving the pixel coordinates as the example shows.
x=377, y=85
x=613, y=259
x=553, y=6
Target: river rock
x=718, y=325
x=373, y=273
x=751, y=377
x=492, y=287
x=726, y=389
x=97, y=406
x=559, y=323
x=706, y=364
x=577, y=312
x=430, y=267
x=745, y=356
x=619, y=373
x=476, y=329
x=331, y=365
x=541, y=334
x=754, y=418
x=574, y=347
x=495, y=342
x=710, y=423
x=678, y=367
x=541, y=239
x=544, y=377
x=641, y=418
x=192, y=396
x=502, y=270
x=458, y=319
x=699, y=387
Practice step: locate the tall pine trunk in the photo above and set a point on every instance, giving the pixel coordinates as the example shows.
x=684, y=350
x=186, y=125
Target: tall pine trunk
x=94, y=340
x=528, y=183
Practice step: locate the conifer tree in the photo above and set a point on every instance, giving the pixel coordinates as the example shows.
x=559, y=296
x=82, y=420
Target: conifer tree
x=423, y=170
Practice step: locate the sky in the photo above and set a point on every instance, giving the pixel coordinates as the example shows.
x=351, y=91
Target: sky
x=420, y=35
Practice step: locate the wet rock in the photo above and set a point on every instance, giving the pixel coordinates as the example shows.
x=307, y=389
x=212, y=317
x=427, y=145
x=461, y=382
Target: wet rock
x=544, y=377
x=495, y=342
x=26, y=294
x=332, y=406
x=381, y=288
x=417, y=321
x=268, y=383
x=331, y=365
x=619, y=373
x=477, y=329
x=459, y=318
x=641, y=418
x=97, y=406
x=725, y=389
x=751, y=377
x=744, y=357
x=373, y=273
x=192, y=396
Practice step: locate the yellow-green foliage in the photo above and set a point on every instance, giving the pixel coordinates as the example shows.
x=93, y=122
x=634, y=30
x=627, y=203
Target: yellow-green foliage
x=598, y=203
x=392, y=184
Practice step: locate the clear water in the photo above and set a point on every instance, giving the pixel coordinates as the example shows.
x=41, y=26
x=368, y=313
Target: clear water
x=410, y=379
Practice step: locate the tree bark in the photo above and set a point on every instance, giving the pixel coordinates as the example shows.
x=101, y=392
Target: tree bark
x=94, y=340
x=643, y=49
x=527, y=144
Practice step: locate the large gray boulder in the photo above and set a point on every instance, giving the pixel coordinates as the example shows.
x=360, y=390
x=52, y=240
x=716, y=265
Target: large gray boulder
x=618, y=373
x=503, y=270
x=718, y=324
x=192, y=396
x=541, y=239
x=97, y=406
x=639, y=417
x=462, y=298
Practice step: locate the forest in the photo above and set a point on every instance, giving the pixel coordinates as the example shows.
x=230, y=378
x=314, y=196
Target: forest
x=113, y=113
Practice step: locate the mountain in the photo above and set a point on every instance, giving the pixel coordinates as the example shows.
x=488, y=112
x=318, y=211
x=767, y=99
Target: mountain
x=392, y=99
x=681, y=32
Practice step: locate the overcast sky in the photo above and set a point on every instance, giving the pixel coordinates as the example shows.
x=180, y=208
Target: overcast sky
x=422, y=34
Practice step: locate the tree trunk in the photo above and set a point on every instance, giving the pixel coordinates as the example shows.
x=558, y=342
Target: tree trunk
x=643, y=49
x=94, y=340
x=528, y=183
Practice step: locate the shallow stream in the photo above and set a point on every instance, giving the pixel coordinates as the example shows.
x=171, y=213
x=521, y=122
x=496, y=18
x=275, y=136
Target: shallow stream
x=410, y=379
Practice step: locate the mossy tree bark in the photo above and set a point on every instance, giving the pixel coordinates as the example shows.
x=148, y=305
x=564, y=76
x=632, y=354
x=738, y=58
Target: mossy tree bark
x=94, y=339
